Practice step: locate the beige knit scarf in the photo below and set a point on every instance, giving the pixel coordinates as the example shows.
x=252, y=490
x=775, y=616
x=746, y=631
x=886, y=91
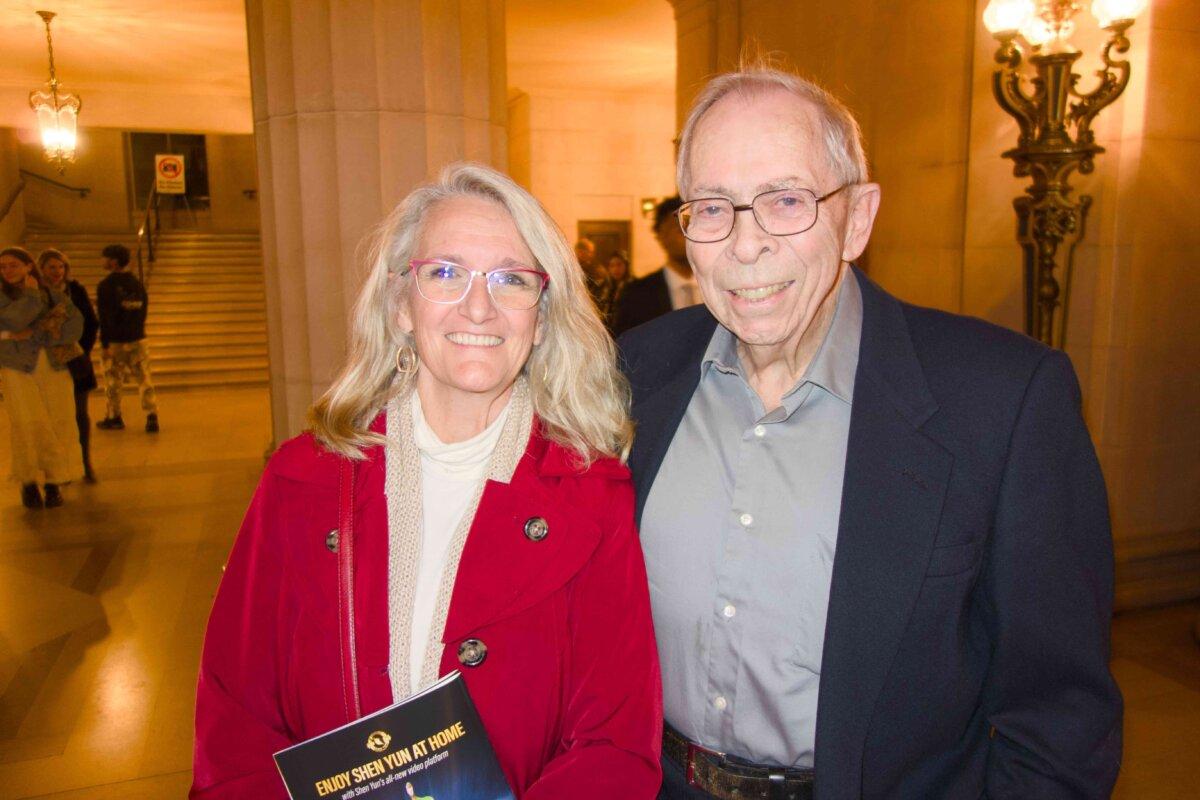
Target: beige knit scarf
x=402, y=487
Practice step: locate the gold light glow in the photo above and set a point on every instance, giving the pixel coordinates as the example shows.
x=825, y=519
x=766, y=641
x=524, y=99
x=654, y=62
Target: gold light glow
x=57, y=111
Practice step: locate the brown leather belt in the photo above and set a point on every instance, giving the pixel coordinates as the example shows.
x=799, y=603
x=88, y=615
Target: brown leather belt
x=730, y=779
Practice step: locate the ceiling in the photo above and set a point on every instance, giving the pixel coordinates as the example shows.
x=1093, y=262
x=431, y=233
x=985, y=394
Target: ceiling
x=604, y=45
x=137, y=49
x=197, y=44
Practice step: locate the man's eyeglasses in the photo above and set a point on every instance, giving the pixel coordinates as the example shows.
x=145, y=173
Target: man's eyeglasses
x=513, y=288
x=780, y=212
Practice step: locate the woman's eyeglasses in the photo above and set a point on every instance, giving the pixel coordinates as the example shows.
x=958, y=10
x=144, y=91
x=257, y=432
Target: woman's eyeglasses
x=512, y=288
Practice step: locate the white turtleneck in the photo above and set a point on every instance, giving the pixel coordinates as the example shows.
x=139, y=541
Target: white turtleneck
x=449, y=475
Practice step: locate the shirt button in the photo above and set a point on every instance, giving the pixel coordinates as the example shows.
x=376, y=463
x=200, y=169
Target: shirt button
x=719, y=703
x=746, y=519
x=729, y=611
x=760, y=431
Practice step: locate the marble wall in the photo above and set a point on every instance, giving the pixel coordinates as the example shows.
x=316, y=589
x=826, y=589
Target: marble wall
x=354, y=104
x=232, y=172
x=595, y=155
x=12, y=226
x=917, y=74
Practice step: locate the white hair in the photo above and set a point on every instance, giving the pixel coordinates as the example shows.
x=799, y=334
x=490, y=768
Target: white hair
x=840, y=131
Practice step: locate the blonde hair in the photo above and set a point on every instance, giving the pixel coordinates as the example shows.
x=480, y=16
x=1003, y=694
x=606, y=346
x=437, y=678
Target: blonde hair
x=579, y=395
x=50, y=253
x=839, y=129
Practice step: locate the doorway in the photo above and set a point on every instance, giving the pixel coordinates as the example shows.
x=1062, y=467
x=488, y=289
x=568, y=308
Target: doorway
x=609, y=236
x=187, y=210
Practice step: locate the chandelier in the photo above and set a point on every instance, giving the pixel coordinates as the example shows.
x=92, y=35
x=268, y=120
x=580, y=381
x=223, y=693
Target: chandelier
x=1055, y=138
x=56, y=110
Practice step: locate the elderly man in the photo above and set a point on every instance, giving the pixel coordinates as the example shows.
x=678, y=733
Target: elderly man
x=876, y=534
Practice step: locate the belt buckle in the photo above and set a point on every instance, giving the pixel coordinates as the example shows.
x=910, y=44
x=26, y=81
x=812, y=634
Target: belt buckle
x=777, y=785
x=693, y=750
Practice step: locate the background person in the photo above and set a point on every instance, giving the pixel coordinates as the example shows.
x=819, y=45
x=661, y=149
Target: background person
x=123, y=302
x=668, y=288
x=36, y=325
x=56, y=271
x=877, y=535
x=599, y=285
x=492, y=527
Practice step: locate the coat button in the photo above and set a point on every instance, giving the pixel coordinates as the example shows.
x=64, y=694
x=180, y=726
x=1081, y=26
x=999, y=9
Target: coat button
x=331, y=540
x=471, y=653
x=536, y=529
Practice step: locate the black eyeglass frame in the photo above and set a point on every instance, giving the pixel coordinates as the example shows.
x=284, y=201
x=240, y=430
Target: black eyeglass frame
x=679, y=212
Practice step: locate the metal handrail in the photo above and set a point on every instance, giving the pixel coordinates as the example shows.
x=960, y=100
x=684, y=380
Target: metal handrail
x=82, y=191
x=147, y=232
x=12, y=199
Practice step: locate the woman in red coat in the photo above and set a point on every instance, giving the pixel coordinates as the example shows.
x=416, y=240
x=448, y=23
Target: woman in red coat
x=477, y=433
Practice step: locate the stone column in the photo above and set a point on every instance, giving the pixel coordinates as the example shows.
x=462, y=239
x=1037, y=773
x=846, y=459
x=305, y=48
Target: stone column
x=708, y=42
x=355, y=102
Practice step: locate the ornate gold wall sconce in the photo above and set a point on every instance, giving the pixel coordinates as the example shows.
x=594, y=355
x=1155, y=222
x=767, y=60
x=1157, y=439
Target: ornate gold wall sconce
x=1056, y=137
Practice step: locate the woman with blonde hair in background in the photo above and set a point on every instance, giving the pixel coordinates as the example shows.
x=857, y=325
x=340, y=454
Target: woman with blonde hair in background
x=39, y=334
x=470, y=459
x=56, y=271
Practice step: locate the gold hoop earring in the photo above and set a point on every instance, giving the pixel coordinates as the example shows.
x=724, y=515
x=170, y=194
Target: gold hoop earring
x=406, y=360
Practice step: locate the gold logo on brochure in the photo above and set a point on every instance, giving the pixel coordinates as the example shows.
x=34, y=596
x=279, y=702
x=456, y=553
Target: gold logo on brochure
x=378, y=741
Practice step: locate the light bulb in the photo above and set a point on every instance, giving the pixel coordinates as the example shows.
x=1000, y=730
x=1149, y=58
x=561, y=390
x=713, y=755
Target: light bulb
x=1107, y=12
x=1037, y=31
x=1009, y=16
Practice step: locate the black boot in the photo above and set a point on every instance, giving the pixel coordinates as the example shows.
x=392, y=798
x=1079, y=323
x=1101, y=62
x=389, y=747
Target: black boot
x=152, y=423
x=30, y=496
x=111, y=424
x=54, y=497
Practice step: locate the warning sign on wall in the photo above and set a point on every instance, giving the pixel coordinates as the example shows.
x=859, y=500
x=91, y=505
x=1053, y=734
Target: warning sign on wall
x=168, y=174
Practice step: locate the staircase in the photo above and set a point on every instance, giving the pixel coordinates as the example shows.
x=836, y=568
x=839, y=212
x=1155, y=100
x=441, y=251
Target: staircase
x=207, y=322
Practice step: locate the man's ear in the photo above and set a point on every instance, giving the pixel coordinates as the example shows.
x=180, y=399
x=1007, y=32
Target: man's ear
x=864, y=204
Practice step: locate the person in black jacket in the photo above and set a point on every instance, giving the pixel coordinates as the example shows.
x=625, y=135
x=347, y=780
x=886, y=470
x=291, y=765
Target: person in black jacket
x=669, y=287
x=876, y=535
x=56, y=271
x=122, y=303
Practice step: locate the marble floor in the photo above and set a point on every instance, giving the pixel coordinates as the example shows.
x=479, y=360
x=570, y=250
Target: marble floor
x=103, y=604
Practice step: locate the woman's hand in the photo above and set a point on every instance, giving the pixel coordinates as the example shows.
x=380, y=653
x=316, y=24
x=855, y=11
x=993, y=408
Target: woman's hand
x=31, y=282
x=16, y=336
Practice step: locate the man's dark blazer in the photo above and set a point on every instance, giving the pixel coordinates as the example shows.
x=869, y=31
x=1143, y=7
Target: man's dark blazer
x=642, y=300
x=966, y=646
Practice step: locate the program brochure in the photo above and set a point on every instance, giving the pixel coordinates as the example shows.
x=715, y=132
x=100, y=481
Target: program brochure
x=430, y=746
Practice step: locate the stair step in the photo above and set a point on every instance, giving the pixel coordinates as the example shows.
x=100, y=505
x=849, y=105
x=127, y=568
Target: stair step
x=207, y=281
x=176, y=365
x=219, y=316
x=207, y=350
x=256, y=378
x=219, y=338
x=218, y=302
x=173, y=328
x=205, y=294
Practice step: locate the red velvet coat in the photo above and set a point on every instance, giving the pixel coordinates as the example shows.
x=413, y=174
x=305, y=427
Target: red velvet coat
x=569, y=692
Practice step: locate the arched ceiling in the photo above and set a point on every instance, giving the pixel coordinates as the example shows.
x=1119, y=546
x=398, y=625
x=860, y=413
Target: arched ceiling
x=129, y=56
x=134, y=57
